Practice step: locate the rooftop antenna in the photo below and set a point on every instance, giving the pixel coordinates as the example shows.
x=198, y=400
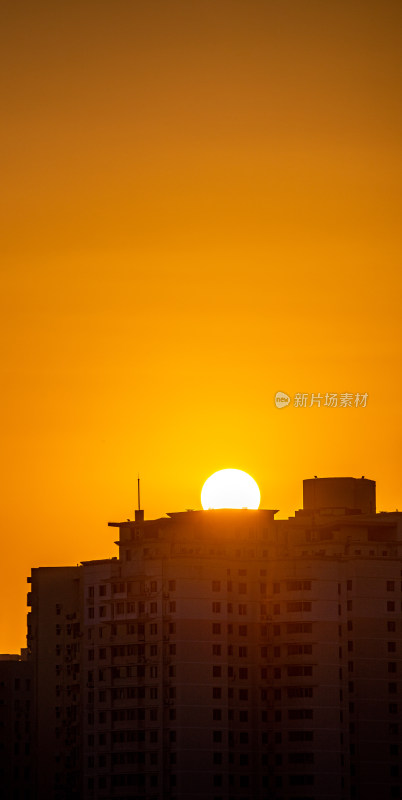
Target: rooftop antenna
x=139, y=514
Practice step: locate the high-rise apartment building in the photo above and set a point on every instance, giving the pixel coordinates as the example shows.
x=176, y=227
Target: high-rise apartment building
x=16, y=734
x=54, y=651
x=226, y=655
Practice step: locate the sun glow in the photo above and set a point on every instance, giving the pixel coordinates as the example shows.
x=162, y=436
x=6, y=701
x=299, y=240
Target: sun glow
x=230, y=488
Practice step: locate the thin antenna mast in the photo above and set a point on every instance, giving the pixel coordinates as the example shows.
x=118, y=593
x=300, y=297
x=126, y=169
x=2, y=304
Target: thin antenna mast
x=139, y=515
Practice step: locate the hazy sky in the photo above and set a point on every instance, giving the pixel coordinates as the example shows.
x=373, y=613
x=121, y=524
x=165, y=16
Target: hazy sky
x=200, y=206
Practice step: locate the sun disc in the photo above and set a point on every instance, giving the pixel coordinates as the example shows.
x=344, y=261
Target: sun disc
x=230, y=488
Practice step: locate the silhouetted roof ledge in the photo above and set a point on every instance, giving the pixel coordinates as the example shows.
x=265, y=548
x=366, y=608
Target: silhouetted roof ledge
x=177, y=514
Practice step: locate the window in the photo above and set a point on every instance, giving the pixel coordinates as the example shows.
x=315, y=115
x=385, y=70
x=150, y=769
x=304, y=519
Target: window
x=243, y=652
x=242, y=588
x=102, y=611
x=391, y=647
x=216, y=714
x=277, y=588
x=172, y=586
x=243, y=673
x=391, y=666
x=301, y=780
x=390, y=586
x=216, y=627
x=216, y=649
x=299, y=670
x=217, y=672
x=299, y=605
x=216, y=693
x=243, y=694
x=216, y=736
x=299, y=649
x=242, y=608
x=102, y=590
x=172, y=627
x=301, y=736
x=300, y=713
x=301, y=758
x=172, y=606
x=216, y=608
x=390, y=605
x=153, y=629
x=299, y=691
x=391, y=625
x=242, y=630
x=153, y=608
x=216, y=585
x=299, y=627
x=293, y=586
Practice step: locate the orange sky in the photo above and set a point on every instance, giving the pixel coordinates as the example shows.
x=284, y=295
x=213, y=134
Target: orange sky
x=200, y=207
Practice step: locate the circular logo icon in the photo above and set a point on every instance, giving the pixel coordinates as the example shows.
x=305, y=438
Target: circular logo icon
x=281, y=400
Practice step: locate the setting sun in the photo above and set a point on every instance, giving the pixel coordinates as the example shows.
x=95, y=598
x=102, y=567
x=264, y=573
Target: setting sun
x=230, y=488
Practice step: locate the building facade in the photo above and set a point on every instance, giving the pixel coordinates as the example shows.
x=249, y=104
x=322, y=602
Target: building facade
x=54, y=651
x=16, y=727
x=226, y=655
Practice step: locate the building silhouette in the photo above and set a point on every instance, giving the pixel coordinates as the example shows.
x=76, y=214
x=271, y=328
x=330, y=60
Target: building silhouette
x=225, y=655
x=16, y=726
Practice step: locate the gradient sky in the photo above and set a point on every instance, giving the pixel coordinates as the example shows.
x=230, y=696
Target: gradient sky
x=200, y=206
